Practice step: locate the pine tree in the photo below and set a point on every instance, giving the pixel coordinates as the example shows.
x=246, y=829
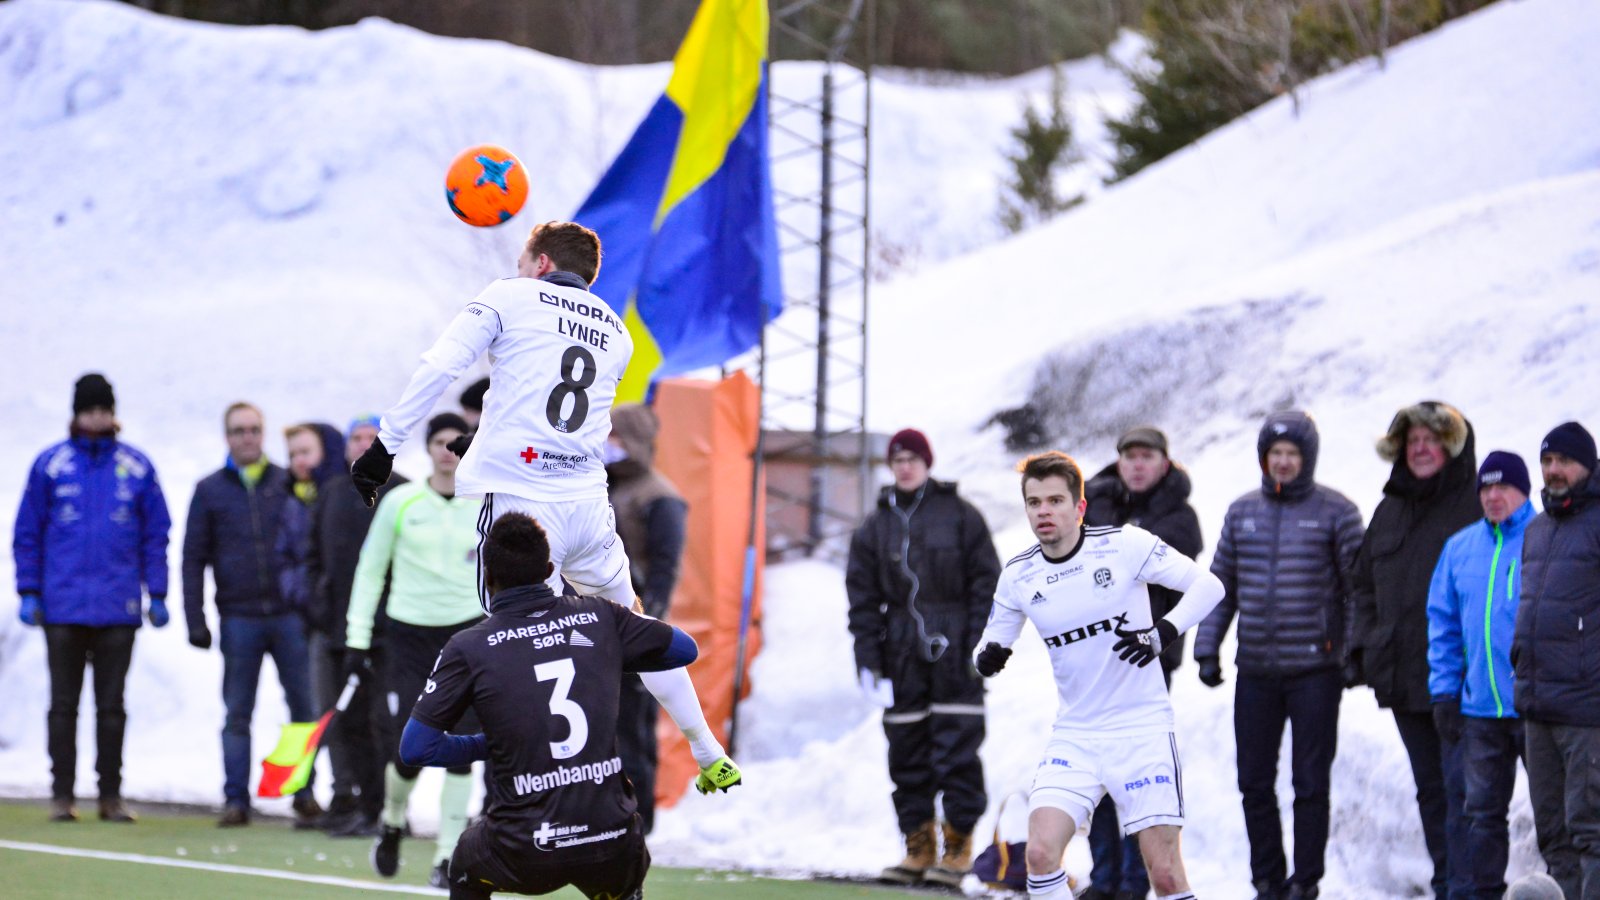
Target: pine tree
x=1044, y=146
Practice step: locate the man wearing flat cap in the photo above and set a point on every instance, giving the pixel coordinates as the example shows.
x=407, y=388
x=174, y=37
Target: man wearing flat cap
x=1556, y=654
x=921, y=579
x=1144, y=487
x=90, y=543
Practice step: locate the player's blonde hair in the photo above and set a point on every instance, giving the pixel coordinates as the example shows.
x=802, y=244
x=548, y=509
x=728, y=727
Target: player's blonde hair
x=1053, y=462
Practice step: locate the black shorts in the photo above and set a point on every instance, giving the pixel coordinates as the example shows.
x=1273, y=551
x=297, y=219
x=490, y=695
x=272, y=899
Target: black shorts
x=481, y=867
x=410, y=652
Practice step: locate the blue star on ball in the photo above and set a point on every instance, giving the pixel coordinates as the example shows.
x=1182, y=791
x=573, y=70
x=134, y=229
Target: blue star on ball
x=494, y=172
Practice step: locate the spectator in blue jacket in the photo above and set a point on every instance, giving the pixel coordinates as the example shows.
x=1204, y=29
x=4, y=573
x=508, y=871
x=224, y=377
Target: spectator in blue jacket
x=232, y=529
x=1556, y=654
x=1472, y=612
x=1283, y=556
x=91, y=532
x=316, y=456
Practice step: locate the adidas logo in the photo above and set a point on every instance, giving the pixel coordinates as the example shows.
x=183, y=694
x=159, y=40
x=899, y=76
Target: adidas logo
x=1038, y=597
x=579, y=640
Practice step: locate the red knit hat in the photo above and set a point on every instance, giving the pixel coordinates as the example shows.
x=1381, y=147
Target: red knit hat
x=911, y=440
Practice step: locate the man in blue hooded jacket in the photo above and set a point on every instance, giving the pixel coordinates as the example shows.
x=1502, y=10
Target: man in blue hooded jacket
x=91, y=532
x=1472, y=614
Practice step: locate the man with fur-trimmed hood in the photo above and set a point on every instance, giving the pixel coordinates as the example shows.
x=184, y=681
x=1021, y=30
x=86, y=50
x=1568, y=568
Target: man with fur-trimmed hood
x=1432, y=493
x=652, y=521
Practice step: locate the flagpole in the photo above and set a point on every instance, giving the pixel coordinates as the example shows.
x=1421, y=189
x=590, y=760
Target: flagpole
x=747, y=592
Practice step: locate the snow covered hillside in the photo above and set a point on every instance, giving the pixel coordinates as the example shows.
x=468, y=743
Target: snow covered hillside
x=206, y=213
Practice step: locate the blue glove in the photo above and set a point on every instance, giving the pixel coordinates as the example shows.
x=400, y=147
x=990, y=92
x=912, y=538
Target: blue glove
x=31, y=612
x=158, y=612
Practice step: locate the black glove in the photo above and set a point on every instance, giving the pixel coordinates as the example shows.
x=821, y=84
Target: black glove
x=992, y=658
x=1354, y=673
x=459, y=445
x=1447, y=719
x=1141, y=646
x=357, y=663
x=1210, y=670
x=200, y=637
x=371, y=471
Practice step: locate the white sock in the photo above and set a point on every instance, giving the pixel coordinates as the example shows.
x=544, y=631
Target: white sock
x=1181, y=895
x=397, y=793
x=1054, y=886
x=453, y=800
x=676, y=694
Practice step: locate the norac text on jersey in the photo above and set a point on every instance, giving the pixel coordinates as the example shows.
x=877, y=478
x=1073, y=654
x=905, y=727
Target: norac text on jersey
x=578, y=330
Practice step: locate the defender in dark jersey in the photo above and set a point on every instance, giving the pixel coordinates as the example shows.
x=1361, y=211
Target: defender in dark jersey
x=543, y=675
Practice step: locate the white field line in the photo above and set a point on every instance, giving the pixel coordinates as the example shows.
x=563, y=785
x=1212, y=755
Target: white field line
x=220, y=867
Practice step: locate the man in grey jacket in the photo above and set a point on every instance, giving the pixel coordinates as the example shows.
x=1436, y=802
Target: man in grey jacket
x=1281, y=557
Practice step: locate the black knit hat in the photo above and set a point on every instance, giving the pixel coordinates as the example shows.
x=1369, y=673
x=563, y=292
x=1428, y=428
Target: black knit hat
x=92, y=391
x=1572, y=441
x=472, y=397
x=447, y=420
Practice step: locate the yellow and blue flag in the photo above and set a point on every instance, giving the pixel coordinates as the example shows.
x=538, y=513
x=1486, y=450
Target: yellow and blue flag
x=685, y=212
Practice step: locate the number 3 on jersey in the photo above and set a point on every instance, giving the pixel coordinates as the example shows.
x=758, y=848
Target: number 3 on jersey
x=561, y=672
x=574, y=387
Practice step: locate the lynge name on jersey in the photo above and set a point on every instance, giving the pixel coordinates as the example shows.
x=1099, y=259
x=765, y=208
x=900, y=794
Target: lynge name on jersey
x=578, y=330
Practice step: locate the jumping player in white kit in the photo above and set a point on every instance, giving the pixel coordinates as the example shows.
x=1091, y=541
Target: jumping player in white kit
x=556, y=354
x=1084, y=590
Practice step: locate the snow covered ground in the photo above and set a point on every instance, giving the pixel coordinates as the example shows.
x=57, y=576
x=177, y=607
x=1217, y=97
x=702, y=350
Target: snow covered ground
x=206, y=213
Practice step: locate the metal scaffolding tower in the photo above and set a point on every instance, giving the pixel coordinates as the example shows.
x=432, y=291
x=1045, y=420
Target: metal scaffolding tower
x=815, y=445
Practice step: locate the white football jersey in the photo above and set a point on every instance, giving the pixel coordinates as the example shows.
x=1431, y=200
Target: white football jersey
x=556, y=354
x=1077, y=604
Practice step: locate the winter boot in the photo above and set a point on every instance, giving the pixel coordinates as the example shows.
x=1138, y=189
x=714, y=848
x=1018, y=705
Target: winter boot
x=1266, y=890
x=956, y=860
x=307, y=812
x=62, y=810
x=922, y=847
x=112, y=809
x=1303, y=892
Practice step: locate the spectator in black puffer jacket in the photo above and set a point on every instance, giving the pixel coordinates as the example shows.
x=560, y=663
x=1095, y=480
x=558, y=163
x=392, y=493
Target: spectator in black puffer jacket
x=1144, y=487
x=1556, y=654
x=1283, y=557
x=1432, y=493
x=921, y=579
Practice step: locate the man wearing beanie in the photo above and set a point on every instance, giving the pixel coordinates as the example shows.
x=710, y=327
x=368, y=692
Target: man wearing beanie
x=90, y=543
x=339, y=524
x=1472, y=612
x=1556, y=653
x=424, y=542
x=921, y=578
x=1431, y=494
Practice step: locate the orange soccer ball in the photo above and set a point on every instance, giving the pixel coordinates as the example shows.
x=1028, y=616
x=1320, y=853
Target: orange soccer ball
x=486, y=185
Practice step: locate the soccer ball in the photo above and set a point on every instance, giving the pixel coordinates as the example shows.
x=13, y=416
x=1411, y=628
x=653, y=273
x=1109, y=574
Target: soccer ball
x=485, y=185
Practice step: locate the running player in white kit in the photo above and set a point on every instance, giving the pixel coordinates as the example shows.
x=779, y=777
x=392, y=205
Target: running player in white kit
x=1084, y=590
x=556, y=354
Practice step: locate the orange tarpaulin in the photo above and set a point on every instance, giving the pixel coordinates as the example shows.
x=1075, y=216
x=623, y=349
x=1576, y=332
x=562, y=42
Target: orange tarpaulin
x=706, y=446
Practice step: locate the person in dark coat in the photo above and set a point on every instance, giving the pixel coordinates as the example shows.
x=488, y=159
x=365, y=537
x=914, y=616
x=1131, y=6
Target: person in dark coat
x=652, y=520
x=90, y=541
x=1282, y=557
x=232, y=530
x=1431, y=494
x=921, y=578
x=1144, y=487
x=355, y=737
x=316, y=453
x=1556, y=653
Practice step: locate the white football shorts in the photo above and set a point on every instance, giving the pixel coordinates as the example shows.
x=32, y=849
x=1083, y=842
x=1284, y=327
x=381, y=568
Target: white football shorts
x=1140, y=772
x=583, y=544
